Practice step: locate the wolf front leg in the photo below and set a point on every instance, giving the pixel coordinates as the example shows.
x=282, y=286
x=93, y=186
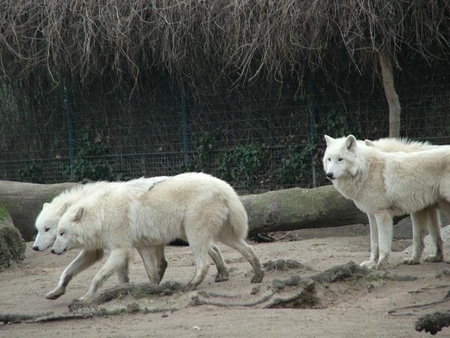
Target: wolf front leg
x=374, y=250
x=385, y=235
x=82, y=262
x=118, y=258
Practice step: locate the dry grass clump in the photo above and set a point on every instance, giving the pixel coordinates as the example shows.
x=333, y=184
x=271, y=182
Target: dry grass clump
x=195, y=40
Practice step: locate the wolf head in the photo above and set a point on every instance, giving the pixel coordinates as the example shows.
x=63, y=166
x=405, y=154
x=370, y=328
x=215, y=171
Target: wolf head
x=68, y=230
x=46, y=224
x=340, y=158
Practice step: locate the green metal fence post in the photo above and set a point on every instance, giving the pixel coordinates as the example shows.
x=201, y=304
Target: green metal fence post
x=70, y=127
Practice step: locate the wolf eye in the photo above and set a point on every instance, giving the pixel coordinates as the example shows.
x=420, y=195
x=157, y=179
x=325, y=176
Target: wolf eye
x=61, y=233
x=46, y=229
x=340, y=159
x=329, y=159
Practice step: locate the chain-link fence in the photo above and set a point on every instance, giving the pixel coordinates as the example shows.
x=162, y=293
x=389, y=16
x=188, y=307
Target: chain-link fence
x=256, y=140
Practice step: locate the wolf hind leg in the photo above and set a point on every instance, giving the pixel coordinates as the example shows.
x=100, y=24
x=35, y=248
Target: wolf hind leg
x=420, y=221
x=434, y=229
x=202, y=230
x=200, y=252
x=249, y=253
x=222, y=270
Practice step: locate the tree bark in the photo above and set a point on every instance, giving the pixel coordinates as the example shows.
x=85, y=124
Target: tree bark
x=289, y=209
x=391, y=94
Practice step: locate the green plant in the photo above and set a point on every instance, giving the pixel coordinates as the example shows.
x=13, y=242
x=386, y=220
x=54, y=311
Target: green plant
x=32, y=174
x=248, y=162
x=296, y=166
x=205, y=148
x=225, y=165
x=336, y=124
x=90, y=161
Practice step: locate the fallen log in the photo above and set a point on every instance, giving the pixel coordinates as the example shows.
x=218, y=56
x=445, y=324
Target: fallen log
x=289, y=209
x=296, y=208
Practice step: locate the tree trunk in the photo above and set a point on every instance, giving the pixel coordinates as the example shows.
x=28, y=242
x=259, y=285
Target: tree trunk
x=289, y=209
x=391, y=95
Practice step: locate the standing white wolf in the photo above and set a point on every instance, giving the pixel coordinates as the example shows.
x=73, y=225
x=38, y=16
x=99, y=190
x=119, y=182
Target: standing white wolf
x=423, y=219
x=385, y=185
x=51, y=213
x=194, y=206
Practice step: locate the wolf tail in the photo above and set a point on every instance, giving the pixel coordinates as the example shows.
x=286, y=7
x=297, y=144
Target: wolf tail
x=237, y=217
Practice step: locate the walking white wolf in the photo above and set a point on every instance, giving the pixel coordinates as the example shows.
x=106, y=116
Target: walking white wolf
x=385, y=185
x=193, y=206
x=423, y=219
x=47, y=221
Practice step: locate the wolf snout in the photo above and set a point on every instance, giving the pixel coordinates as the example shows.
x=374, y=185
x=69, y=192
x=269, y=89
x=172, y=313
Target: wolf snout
x=53, y=251
x=330, y=176
x=35, y=248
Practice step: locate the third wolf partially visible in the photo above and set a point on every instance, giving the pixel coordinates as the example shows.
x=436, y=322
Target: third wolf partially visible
x=385, y=185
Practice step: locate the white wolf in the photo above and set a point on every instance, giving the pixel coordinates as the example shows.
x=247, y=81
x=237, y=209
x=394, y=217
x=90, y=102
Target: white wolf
x=51, y=213
x=385, y=185
x=194, y=206
x=423, y=219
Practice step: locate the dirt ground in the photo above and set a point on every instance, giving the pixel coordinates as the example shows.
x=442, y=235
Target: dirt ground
x=350, y=308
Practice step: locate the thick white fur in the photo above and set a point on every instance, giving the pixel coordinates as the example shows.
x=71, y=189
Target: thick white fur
x=385, y=185
x=426, y=218
x=51, y=213
x=194, y=206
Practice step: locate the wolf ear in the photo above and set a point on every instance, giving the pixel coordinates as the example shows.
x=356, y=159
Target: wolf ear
x=78, y=214
x=369, y=143
x=63, y=208
x=328, y=139
x=350, y=143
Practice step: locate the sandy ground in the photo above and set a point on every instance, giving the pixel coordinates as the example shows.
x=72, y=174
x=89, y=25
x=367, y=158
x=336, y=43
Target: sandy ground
x=351, y=308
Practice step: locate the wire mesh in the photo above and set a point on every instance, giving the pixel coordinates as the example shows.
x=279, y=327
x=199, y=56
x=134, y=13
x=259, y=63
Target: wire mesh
x=257, y=142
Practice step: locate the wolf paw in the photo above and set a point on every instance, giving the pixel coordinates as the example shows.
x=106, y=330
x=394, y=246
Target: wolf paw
x=369, y=264
x=434, y=259
x=411, y=261
x=222, y=276
x=257, y=278
x=55, y=294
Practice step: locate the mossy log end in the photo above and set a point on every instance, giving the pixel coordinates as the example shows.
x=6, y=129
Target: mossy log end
x=24, y=202
x=12, y=245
